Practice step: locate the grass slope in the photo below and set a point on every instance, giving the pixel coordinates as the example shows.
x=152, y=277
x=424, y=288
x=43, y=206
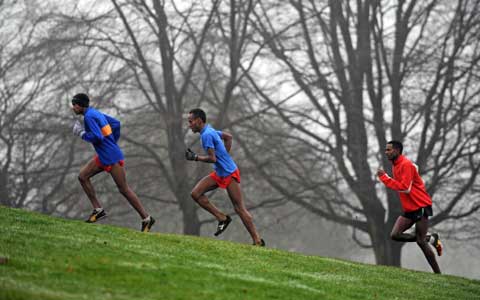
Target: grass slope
x=52, y=258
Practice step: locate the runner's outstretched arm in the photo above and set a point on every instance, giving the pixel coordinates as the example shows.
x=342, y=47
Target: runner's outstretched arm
x=210, y=158
x=95, y=133
x=403, y=184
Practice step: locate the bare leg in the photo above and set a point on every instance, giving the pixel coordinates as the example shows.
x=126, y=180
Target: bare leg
x=87, y=172
x=421, y=233
x=198, y=194
x=400, y=226
x=119, y=176
x=235, y=194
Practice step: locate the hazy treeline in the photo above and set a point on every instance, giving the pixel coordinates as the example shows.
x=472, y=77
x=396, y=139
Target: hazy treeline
x=311, y=90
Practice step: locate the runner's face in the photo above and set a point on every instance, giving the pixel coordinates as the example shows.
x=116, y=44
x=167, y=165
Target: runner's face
x=390, y=152
x=77, y=109
x=193, y=123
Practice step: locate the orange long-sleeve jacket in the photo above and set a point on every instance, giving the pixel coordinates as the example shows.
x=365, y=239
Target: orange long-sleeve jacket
x=408, y=183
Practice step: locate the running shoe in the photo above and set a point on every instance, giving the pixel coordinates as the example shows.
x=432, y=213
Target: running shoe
x=262, y=243
x=437, y=244
x=96, y=215
x=147, y=225
x=222, y=225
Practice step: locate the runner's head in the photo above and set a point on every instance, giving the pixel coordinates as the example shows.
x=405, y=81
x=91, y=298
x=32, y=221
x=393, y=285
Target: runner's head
x=196, y=119
x=79, y=103
x=393, y=150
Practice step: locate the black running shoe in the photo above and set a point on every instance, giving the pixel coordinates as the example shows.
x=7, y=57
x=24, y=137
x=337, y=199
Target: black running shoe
x=222, y=225
x=262, y=243
x=96, y=215
x=147, y=225
x=437, y=244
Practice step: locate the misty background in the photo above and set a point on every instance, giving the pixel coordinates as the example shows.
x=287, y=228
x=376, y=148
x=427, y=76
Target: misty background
x=311, y=91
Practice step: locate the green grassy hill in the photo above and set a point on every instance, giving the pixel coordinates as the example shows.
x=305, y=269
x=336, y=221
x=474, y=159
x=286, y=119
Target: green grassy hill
x=52, y=258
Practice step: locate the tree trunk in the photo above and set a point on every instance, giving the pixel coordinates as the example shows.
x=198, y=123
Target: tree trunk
x=191, y=222
x=386, y=251
x=4, y=194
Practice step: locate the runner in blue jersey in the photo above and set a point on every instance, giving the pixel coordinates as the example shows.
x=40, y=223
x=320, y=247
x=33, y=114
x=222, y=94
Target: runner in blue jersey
x=103, y=132
x=217, y=145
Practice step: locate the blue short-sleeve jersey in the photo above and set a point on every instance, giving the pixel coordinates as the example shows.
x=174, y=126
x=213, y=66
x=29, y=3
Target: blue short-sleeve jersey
x=212, y=138
x=103, y=132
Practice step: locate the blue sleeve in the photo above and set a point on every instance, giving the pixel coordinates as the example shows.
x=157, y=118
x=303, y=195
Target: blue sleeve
x=115, y=125
x=219, y=132
x=94, y=135
x=207, y=142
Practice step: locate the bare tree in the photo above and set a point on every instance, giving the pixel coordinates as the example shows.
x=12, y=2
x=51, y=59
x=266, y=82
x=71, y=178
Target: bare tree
x=173, y=54
x=367, y=71
x=35, y=156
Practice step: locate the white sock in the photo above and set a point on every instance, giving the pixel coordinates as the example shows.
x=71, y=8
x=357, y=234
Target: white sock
x=430, y=238
x=411, y=230
x=147, y=219
x=98, y=209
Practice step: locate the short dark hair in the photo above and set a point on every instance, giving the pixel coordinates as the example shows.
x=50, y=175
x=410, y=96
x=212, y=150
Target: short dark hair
x=396, y=145
x=81, y=99
x=199, y=113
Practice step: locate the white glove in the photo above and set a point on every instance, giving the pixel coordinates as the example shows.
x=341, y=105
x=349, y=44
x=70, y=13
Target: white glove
x=78, y=129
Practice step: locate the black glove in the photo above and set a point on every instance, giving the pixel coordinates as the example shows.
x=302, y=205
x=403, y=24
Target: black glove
x=190, y=155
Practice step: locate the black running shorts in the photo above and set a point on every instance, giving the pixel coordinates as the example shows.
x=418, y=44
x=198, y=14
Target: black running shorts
x=419, y=213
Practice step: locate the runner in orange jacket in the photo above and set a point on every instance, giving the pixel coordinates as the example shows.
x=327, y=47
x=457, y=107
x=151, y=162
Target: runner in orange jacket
x=416, y=203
